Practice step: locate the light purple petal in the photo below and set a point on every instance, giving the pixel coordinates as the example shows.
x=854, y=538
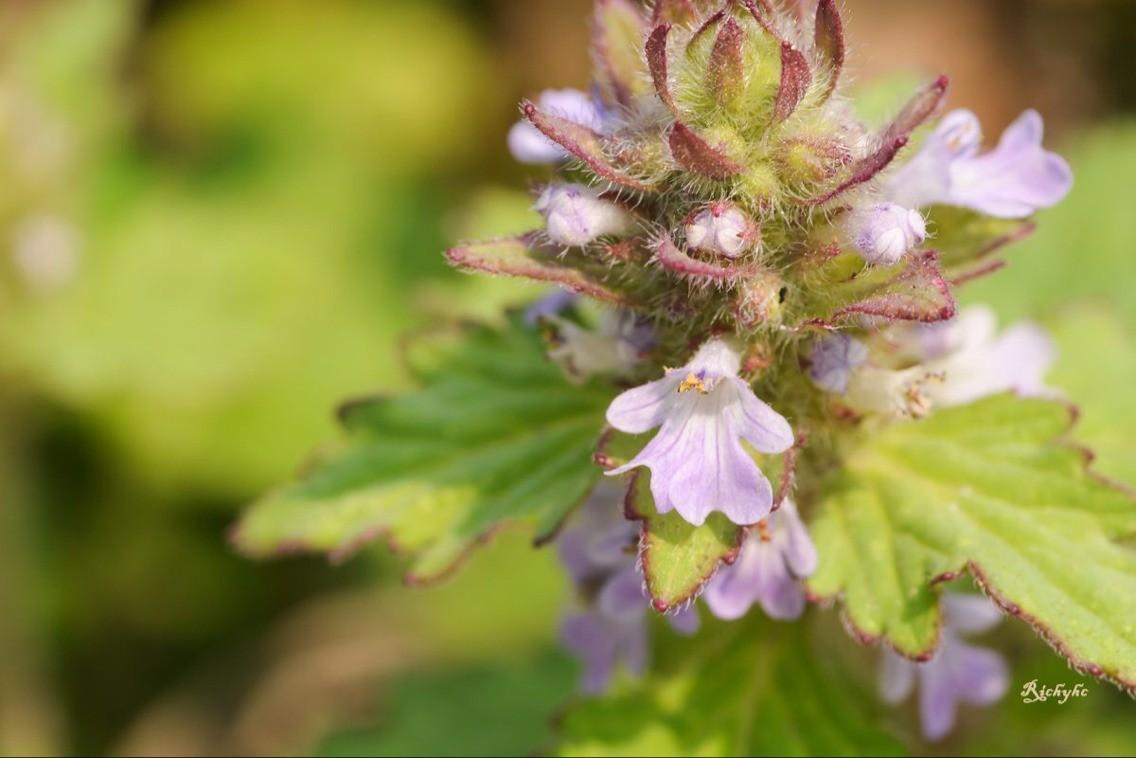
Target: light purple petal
x=925, y=179
x=896, y=677
x=713, y=472
x=1022, y=355
x=685, y=621
x=969, y=614
x=588, y=637
x=622, y=595
x=981, y=673
x=938, y=695
x=549, y=305
x=833, y=359
x=777, y=590
x=796, y=546
x=632, y=646
x=1016, y=178
x=733, y=590
x=761, y=426
x=643, y=408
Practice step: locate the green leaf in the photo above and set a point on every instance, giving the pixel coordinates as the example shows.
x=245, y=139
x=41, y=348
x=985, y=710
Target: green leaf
x=677, y=557
x=495, y=436
x=489, y=710
x=988, y=488
x=746, y=688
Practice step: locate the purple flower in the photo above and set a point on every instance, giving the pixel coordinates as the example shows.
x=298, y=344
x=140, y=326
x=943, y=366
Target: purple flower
x=697, y=460
x=613, y=348
x=957, y=673
x=528, y=145
x=885, y=232
x=975, y=361
x=950, y=363
x=576, y=215
x=1013, y=180
x=610, y=626
x=773, y=557
x=833, y=359
x=722, y=229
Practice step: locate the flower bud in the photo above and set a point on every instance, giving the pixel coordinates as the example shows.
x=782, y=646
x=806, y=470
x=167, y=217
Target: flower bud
x=576, y=215
x=528, y=145
x=723, y=229
x=884, y=233
x=758, y=300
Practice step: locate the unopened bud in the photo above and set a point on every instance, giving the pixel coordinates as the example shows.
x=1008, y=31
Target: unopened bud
x=723, y=229
x=759, y=300
x=576, y=215
x=884, y=233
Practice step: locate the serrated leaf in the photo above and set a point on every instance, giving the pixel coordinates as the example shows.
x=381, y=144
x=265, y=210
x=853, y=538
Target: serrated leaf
x=495, y=436
x=988, y=488
x=747, y=688
x=677, y=557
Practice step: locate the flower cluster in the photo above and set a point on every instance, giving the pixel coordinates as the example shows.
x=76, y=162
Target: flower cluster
x=769, y=268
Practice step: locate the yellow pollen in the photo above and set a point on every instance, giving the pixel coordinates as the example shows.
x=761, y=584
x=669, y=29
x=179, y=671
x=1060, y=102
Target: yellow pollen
x=763, y=530
x=692, y=382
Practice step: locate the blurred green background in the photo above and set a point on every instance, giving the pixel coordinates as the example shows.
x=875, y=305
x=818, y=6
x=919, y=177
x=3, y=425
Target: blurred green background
x=217, y=219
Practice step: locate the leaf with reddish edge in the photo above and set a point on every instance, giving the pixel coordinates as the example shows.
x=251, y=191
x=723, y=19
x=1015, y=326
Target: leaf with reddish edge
x=670, y=257
x=698, y=156
x=673, y=12
x=657, y=62
x=795, y=79
x=677, y=557
x=522, y=257
x=725, y=71
x=583, y=143
x=618, y=29
x=994, y=489
x=892, y=139
x=918, y=293
x=828, y=38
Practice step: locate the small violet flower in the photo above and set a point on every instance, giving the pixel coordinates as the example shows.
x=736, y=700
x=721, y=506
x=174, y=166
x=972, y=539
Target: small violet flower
x=576, y=215
x=1013, y=180
x=613, y=348
x=528, y=145
x=722, y=229
x=610, y=627
x=945, y=364
x=775, y=554
x=885, y=232
x=833, y=359
x=697, y=460
x=957, y=673
x=975, y=361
